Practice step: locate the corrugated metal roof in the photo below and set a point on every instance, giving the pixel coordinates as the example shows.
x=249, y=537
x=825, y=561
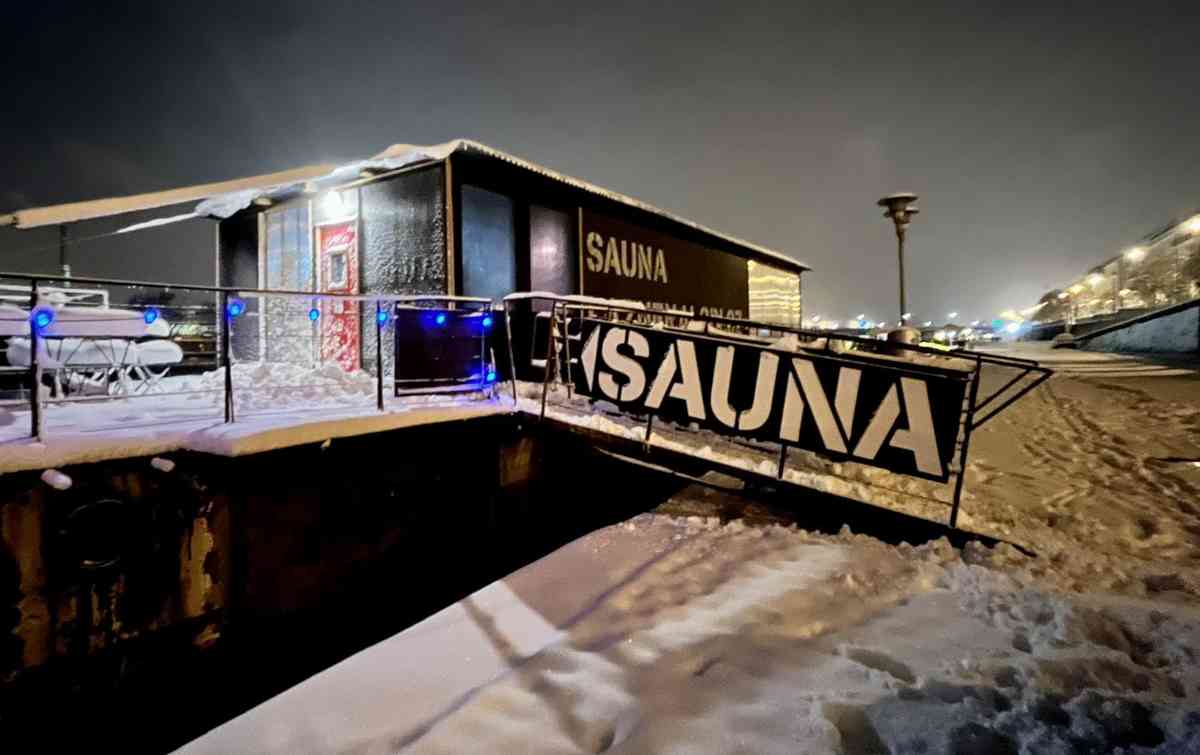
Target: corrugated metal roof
x=225, y=198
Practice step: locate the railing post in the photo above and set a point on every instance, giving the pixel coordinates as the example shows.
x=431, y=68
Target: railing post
x=483, y=350
x=226, y=325
x=968, y=426
x=35, y=370
x=512, y=362
x=549, y=349
x=379, y=355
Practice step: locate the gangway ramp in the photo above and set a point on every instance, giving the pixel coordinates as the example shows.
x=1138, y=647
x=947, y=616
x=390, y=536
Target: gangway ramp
x=882, y=423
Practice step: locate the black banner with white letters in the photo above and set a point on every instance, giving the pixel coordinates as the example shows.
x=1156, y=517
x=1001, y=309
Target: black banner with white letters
x=902, y=418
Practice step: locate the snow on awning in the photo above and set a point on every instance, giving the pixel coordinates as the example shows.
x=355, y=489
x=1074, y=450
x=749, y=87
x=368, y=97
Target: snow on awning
x=74, y=212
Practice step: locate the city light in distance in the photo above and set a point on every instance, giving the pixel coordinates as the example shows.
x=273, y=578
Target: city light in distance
x=1135, y=254
x=1095, y=279
x=1192, y=225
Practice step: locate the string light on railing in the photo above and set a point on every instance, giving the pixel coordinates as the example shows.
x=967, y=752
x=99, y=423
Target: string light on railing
x=150, y=315
x=236, y=308
x=314, y=314
x=42, y=318
x=491, y=376
x=440, y=319
x=487, y=321
x=382, y=317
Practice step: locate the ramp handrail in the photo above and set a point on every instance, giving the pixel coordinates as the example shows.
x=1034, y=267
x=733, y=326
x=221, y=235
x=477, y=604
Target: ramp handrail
x=887, y=355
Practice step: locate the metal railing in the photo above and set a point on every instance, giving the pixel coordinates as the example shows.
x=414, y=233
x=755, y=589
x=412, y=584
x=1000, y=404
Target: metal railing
x=853, y=350
x=79, y=334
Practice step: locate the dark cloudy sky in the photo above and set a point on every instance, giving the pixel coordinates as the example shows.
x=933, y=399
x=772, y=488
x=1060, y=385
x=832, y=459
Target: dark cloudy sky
x=1041, y=139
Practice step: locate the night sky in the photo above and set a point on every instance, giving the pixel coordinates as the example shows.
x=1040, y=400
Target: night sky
x=1041, y=140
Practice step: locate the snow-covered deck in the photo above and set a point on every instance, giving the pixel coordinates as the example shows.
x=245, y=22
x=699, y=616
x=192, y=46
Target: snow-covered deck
x=276, y=408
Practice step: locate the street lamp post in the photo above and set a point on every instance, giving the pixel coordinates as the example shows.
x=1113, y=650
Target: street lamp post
x=899, y=208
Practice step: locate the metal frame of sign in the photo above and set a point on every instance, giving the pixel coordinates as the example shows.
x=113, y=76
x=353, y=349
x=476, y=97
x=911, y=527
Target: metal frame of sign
x=831, y=382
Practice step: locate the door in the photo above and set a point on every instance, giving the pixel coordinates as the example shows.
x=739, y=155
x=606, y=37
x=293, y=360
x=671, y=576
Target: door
x=341, y=335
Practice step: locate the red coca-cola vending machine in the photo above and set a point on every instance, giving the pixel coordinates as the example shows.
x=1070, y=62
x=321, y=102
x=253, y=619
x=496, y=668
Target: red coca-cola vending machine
x=337, y=260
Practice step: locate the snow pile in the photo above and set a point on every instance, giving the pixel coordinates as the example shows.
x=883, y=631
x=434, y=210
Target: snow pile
x=278, y=385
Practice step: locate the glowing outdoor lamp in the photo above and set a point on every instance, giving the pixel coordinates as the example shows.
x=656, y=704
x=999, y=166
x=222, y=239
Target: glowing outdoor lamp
x=333, y=204
x=899, y=208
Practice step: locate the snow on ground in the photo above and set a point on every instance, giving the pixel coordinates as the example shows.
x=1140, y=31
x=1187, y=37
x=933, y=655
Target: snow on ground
x=276, y=405
x=1095, y=472
x=675, y=632
x=680, y=634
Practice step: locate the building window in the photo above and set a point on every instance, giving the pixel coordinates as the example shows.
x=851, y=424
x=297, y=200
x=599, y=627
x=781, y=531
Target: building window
x=489, y=258
x=553, y=261
x=288, y=265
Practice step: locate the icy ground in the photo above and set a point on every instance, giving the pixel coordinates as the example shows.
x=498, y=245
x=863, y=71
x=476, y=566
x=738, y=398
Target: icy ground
x=677, y=632
x=276, y=405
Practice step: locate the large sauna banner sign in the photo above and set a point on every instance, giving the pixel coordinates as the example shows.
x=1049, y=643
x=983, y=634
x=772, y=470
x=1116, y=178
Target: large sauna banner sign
x=622, y=260
x=899, y=418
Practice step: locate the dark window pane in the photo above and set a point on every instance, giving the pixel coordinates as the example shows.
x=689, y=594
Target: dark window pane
x=552, y=257
x=488, y=245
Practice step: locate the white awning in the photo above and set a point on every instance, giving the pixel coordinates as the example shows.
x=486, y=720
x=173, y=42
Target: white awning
x=101, y=208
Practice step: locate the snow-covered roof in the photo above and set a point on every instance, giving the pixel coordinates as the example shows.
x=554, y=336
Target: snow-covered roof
x=221, y=200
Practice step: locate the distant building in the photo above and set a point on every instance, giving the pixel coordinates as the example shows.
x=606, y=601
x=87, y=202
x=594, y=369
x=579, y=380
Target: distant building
x=1161, y=269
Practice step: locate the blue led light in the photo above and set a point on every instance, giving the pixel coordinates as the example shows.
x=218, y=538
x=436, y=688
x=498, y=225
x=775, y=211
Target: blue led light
x=491, y=376
x=382, y=316
x=487, y=321
x=313, y=314
x=150, y=315
x=236, y=307
x=440, y=319
x=42, y=318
